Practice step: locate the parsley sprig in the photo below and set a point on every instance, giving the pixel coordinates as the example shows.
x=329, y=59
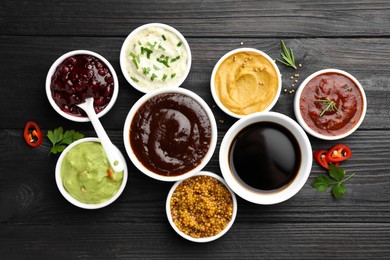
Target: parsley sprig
x=61, y=139
x=287, y=55
x=322, y=183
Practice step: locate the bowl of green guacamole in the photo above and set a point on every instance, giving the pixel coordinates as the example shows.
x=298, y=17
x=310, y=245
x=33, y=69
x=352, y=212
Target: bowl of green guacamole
x=84, y=175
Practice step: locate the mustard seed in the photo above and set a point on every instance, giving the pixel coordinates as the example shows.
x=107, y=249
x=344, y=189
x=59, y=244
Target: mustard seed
x=201, y=206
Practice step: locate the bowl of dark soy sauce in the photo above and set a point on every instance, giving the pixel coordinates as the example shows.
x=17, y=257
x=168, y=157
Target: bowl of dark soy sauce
x=265, y=158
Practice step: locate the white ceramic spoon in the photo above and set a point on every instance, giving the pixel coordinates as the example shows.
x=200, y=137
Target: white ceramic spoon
x=108, y=146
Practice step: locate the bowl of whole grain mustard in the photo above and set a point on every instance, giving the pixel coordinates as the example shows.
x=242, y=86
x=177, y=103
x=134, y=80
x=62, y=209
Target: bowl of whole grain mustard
x=201, y=208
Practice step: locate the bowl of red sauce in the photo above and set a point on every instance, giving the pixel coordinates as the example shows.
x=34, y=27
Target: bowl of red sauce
x=170, y=134
x=77, y=75
x=330, y=104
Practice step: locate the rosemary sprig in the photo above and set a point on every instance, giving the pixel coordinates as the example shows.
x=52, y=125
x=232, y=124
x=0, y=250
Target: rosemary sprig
x=288, y=56
x=331, y=105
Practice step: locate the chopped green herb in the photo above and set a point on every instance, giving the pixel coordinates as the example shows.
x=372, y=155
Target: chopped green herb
x=175, y=59
x=135, y=56
x=164, y=77
x=161, y=47
x=155, y=67
x=134, y=79
x=173, y=75
x=164, y=38
x=145, y=71
x=164, y=60
x=135, y=63
x=147, y=50
x=139, y=43
x=153, y=77
x=151, y=45
x=179, y=44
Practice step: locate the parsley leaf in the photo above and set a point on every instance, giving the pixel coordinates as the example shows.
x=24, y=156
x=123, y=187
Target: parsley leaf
x=336, y=172
x=60, y=140
x=339, y=190
x=56, y=135
x=77, y=136
x=57, y=149
x=322, y=183
x=68, y=137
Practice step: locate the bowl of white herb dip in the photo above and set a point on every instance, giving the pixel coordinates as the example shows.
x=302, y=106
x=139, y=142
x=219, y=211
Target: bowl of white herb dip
x=155, y=56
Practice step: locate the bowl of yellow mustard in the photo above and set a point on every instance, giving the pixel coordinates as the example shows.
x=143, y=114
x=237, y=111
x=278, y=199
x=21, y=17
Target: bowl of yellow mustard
x=85, y=177
x=245, y=81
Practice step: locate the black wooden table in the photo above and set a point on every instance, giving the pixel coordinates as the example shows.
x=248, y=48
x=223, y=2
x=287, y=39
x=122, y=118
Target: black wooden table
x=37, y=222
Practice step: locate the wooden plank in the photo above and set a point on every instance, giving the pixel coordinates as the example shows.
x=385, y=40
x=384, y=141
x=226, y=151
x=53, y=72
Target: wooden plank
x=29, y=194
x=37, y=222
x=159, y=241
x=29, y=58
x=208, y=18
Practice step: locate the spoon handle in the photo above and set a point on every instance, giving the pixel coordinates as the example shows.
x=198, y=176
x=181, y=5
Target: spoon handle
x=108, y=146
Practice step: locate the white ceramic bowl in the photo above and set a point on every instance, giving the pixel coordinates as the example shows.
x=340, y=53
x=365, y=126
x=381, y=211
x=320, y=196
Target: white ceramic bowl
x=133, y=111
x=203, y=239
x=54, y=67
x=74, y=201
x=212, y=80
x=266, y=197
x=302, y=122
x=123, y=54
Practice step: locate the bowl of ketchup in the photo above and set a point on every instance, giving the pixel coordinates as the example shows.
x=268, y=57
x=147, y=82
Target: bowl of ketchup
x=330, y=104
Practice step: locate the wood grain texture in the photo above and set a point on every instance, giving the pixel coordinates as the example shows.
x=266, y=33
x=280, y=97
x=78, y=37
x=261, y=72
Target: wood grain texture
x=36, y=222
x=30, y=194
x=258, y=241
x=207, y=18
x=32, y=57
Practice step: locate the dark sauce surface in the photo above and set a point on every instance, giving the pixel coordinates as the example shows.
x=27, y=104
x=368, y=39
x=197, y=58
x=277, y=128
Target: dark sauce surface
x=79, y=77
x=265, y=156
x=170, y=134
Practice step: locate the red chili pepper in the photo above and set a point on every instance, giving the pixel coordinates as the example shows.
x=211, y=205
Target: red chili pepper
x=32, y=134
x=110, y=174
x=338, y=153
x=320, y=157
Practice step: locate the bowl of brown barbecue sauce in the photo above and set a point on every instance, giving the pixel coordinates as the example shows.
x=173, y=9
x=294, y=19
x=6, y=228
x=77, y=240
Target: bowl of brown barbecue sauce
x=170, y=134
